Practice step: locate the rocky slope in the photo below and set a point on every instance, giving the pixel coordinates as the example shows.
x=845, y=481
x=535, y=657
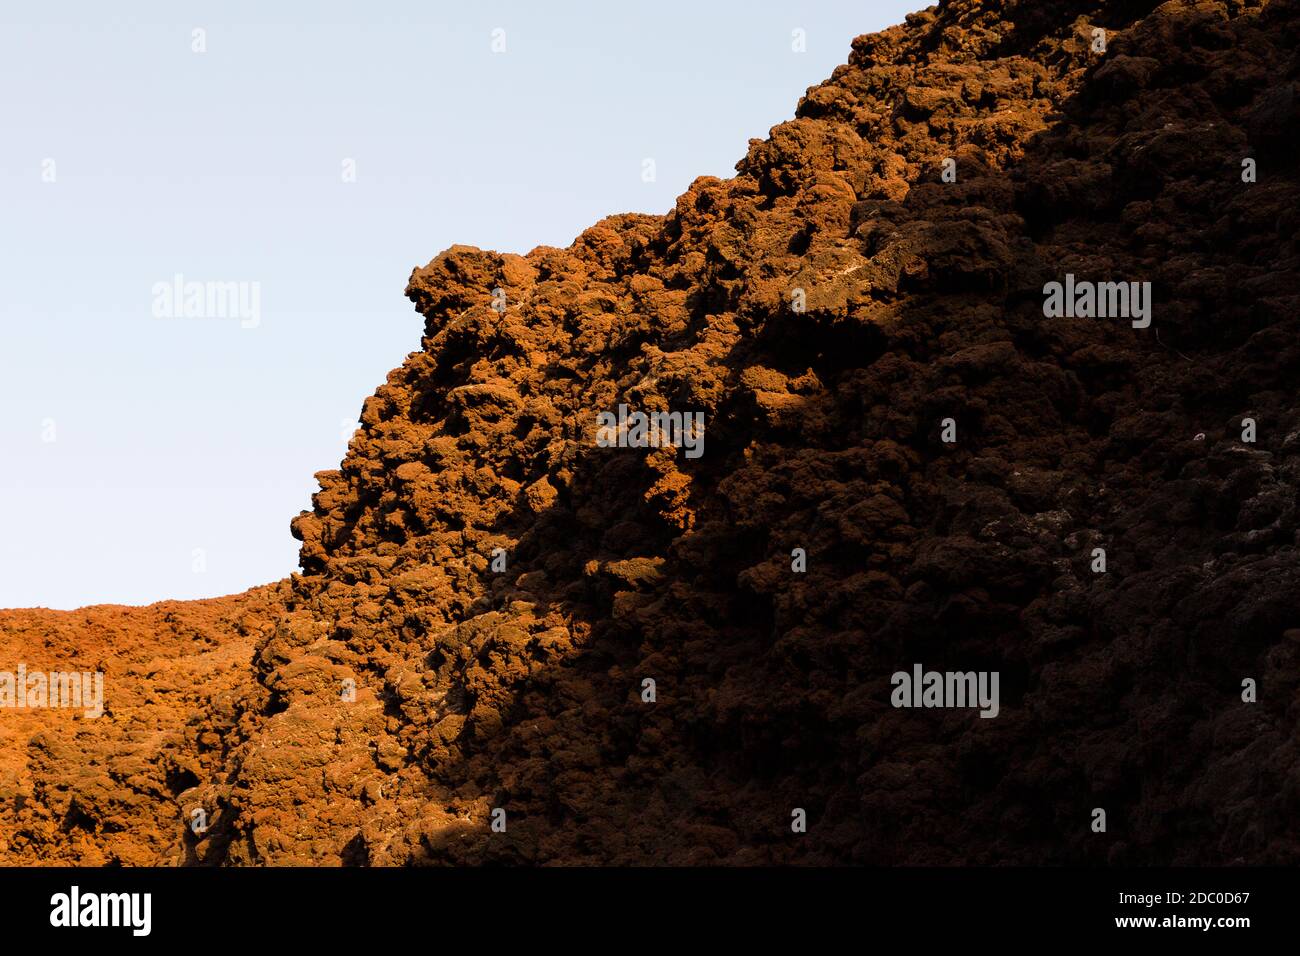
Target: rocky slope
x=100, y=791
x=827, y=309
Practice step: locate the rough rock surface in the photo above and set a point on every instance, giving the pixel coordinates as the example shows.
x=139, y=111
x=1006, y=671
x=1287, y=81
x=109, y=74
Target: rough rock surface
x=101, y=791
x=522, y=689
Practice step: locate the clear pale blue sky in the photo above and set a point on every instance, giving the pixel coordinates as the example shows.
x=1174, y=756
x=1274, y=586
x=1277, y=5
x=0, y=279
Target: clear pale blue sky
x=177, y=434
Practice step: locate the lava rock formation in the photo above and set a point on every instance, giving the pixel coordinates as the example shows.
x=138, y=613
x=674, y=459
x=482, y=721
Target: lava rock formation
x=485, y=589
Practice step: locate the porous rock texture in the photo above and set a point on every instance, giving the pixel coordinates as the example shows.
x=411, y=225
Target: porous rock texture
x=522, y=689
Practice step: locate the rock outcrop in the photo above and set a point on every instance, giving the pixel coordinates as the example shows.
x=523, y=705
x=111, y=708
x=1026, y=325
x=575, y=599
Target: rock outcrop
x=859, y=315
